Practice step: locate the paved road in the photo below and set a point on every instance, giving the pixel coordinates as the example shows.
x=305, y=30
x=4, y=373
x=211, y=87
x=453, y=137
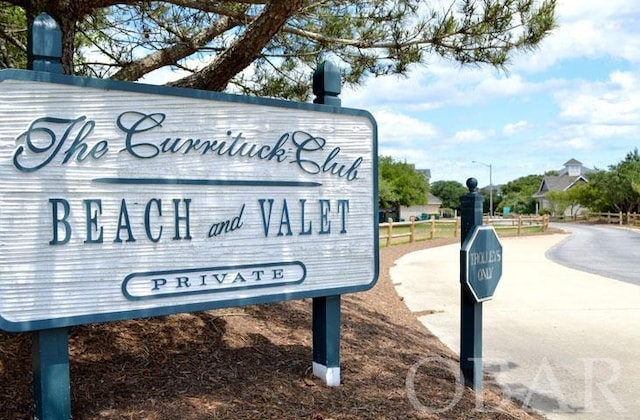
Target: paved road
x=563, y=341
x=608, y=251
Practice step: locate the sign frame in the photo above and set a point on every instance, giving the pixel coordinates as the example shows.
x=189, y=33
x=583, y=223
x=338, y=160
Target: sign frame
x=172, y=92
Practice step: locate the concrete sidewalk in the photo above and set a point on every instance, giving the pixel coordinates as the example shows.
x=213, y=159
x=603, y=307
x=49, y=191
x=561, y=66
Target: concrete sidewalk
x=565, y=342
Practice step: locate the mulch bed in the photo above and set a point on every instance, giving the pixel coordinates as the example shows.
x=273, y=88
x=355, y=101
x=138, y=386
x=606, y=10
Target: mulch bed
x=254, y=363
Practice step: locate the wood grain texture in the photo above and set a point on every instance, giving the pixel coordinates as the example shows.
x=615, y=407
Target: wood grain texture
x=84, y=275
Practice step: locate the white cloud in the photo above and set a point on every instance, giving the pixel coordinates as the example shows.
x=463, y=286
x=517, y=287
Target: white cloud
x=571, y=143
x=614, y=102
x=504, y=86
x=402, y=130
x=469, y=136
x=513, y=128
x=587, y=29
x=388, y=90
x=445, y=85
x=587, y=9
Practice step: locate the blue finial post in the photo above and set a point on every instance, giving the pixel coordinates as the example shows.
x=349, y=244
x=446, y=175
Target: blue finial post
x=49, y=348
x=470, y=209
x=327, y=84
x=470, y=310
x=44, y=52
x=326, y=309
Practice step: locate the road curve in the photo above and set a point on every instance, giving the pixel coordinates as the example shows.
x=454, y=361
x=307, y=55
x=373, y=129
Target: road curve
x=608, y=251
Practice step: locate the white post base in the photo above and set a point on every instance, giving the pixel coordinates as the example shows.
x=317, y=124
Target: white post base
x=329, y=375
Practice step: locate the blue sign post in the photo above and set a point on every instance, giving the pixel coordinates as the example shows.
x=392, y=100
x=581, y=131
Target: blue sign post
x=326, y=309
x=480, y=271
x=50, y=347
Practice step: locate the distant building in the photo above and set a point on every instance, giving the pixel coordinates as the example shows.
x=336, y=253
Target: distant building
x=423, y=211
x=573, y=173
x=426, y=210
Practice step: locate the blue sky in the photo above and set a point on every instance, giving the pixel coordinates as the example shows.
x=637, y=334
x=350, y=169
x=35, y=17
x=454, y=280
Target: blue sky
x=576, y=96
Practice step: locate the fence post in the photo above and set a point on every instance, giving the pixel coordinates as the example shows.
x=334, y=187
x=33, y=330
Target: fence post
x=519, y=225
x=456, y=227
x=326, y=309
x=412, y=229
x=389, y=231
x=432, y=227
x=620, y=222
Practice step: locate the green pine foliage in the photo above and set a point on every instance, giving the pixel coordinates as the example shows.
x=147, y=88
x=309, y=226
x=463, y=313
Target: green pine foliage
x=271, y=48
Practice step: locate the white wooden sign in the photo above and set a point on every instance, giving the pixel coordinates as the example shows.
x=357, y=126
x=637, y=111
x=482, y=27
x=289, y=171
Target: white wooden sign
x=122, y=200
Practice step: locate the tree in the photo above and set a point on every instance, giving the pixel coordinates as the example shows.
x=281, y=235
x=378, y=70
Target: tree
x=567, y=199
x=449, y=193
x=400, y=184
x=617, y=189
x=489, y=197
x=518, y=194
x=270, y=48
x=632, y=156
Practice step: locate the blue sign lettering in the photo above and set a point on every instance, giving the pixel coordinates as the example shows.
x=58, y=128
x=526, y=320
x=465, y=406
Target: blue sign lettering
x=306, y=226
x=45, y=139
x=42, y=144
x=62, y=230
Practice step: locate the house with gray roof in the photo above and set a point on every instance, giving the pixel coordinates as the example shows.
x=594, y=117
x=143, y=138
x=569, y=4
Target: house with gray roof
x=573, y=173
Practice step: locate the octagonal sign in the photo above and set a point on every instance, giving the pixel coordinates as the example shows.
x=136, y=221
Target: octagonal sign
x=481, y=260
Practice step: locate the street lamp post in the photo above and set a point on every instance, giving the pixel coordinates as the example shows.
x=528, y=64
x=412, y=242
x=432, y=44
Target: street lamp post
x=490, y=185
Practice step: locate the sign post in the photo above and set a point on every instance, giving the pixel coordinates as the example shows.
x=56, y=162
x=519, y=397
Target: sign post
x=480, y=271
x=326, y=317
x=49, y=347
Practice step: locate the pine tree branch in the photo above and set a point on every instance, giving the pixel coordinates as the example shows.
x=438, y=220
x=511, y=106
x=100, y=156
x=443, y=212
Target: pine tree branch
x=245, y=49
x=169, y=56
x=12, y=39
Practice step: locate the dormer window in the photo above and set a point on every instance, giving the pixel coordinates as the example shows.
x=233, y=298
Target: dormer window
x=573, y=170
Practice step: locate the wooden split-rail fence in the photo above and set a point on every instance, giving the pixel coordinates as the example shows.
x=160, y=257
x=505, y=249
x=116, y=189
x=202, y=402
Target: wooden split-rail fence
x=439, y=228
x=620, y=218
